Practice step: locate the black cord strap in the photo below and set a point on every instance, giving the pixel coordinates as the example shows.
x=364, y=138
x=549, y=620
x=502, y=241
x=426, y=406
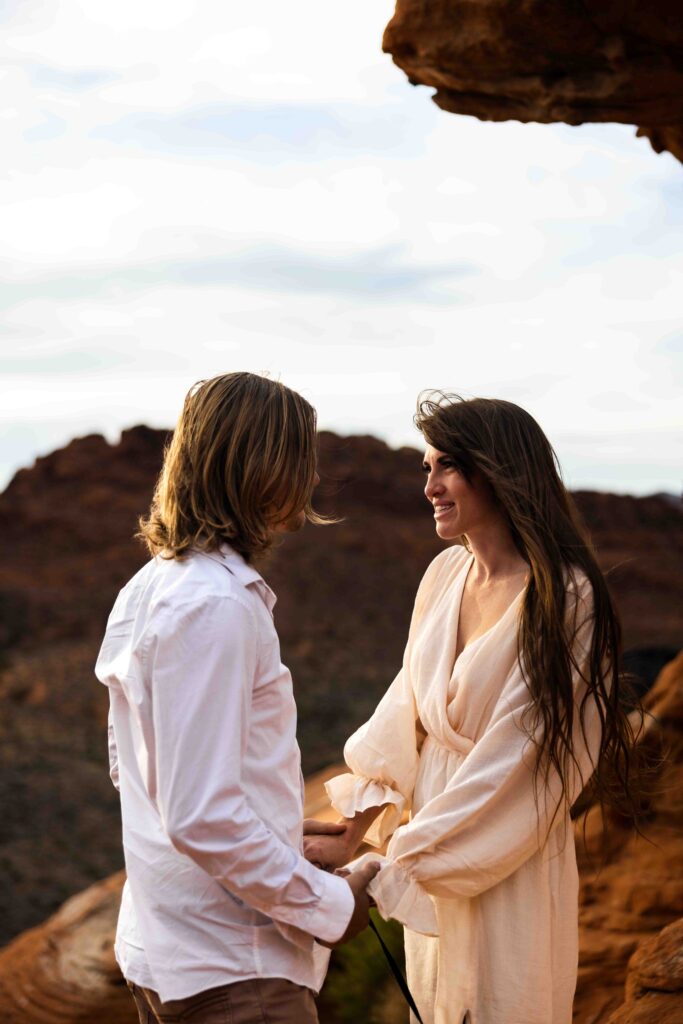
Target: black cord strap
x=397, y=973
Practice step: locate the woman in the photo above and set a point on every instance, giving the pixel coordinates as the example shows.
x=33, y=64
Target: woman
x=507, y=701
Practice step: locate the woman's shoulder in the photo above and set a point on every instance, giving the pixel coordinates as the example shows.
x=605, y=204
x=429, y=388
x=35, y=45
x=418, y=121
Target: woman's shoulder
x=444, y=568
x=448, y=561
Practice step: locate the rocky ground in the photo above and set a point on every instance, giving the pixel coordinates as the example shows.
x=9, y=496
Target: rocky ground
x=631, y=922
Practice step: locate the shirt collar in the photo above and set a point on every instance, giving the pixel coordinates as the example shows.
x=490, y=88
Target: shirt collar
x=246, y=574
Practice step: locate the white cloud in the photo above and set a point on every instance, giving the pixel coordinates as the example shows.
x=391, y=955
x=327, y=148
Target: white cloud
x=188, y=190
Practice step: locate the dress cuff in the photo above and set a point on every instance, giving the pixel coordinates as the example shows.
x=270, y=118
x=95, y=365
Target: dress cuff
x=351, y=794
x=400, y=897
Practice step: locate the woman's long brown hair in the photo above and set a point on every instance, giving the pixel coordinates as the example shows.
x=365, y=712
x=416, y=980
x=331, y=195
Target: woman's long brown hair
x=501, y=443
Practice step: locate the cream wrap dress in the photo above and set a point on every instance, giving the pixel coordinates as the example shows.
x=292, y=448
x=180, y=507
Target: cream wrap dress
x=469, y=866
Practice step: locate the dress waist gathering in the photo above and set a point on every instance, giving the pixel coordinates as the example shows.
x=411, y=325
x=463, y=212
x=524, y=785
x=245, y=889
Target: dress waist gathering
x=455, y=744
x=439, y=762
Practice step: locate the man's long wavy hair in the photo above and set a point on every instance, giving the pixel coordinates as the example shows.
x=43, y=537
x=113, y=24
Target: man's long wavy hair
x=241, y=459
x=498, y=442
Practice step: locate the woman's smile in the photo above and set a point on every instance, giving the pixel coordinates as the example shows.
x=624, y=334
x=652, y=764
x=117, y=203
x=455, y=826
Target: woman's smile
x=443, y=508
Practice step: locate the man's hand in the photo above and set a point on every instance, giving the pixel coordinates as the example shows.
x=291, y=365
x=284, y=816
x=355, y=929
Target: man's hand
x=358, y=881
x=327, y=845
x=313, y=827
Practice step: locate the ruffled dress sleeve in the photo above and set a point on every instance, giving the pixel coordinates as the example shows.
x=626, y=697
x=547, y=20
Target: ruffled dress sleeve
x=383, y=755
x=382, y=759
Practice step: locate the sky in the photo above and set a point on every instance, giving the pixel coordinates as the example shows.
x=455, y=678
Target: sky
x=190, y=189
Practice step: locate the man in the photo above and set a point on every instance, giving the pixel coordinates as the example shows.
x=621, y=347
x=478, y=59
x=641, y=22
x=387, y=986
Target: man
x=220, y=911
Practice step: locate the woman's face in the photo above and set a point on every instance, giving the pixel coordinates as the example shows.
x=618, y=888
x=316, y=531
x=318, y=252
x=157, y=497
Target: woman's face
x=459, y=506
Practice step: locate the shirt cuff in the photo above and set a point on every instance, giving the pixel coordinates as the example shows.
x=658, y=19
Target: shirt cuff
x=351, y=794
x=400, y=897
x=329, y=919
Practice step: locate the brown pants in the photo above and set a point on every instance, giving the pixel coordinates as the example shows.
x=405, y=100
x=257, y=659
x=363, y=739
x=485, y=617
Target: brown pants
x=257, y=1001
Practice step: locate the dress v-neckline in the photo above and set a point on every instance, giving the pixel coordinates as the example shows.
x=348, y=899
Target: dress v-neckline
x=482, y=636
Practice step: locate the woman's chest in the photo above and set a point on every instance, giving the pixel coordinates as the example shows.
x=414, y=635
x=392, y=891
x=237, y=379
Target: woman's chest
x=457, y=692
x=481, y=608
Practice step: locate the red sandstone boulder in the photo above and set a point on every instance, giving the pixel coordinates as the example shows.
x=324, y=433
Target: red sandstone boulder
x=631, y=910
x=654, y=985
x=63, y=971
x=657, y=965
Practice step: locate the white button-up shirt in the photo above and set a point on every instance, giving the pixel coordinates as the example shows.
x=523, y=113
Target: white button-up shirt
x=203, y=750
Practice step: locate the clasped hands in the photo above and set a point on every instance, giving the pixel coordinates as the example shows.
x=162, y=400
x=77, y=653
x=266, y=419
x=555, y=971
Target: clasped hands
x=331, y=846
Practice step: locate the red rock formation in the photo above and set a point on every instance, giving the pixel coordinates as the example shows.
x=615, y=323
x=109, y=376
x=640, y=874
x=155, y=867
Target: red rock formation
x=64, y=971
x=345, y=594
x=654, y=985
x=665, y=138
x=615, y=60
x=640, y=891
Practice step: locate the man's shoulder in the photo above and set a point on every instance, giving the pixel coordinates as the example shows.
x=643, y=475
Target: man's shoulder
x=186, y=586
x=180, y=605
x=199, y=579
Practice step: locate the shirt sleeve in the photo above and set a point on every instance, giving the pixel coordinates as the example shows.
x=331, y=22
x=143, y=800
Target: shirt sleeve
x=113, y=753
x=486, y=824
x=203, y=664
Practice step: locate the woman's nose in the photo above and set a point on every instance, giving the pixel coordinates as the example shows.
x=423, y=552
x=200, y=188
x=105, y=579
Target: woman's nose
x=431, y=488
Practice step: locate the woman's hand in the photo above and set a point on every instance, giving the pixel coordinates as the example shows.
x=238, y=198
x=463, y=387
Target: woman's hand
x=330, y=845
x=358, y=883
x=344, y=873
